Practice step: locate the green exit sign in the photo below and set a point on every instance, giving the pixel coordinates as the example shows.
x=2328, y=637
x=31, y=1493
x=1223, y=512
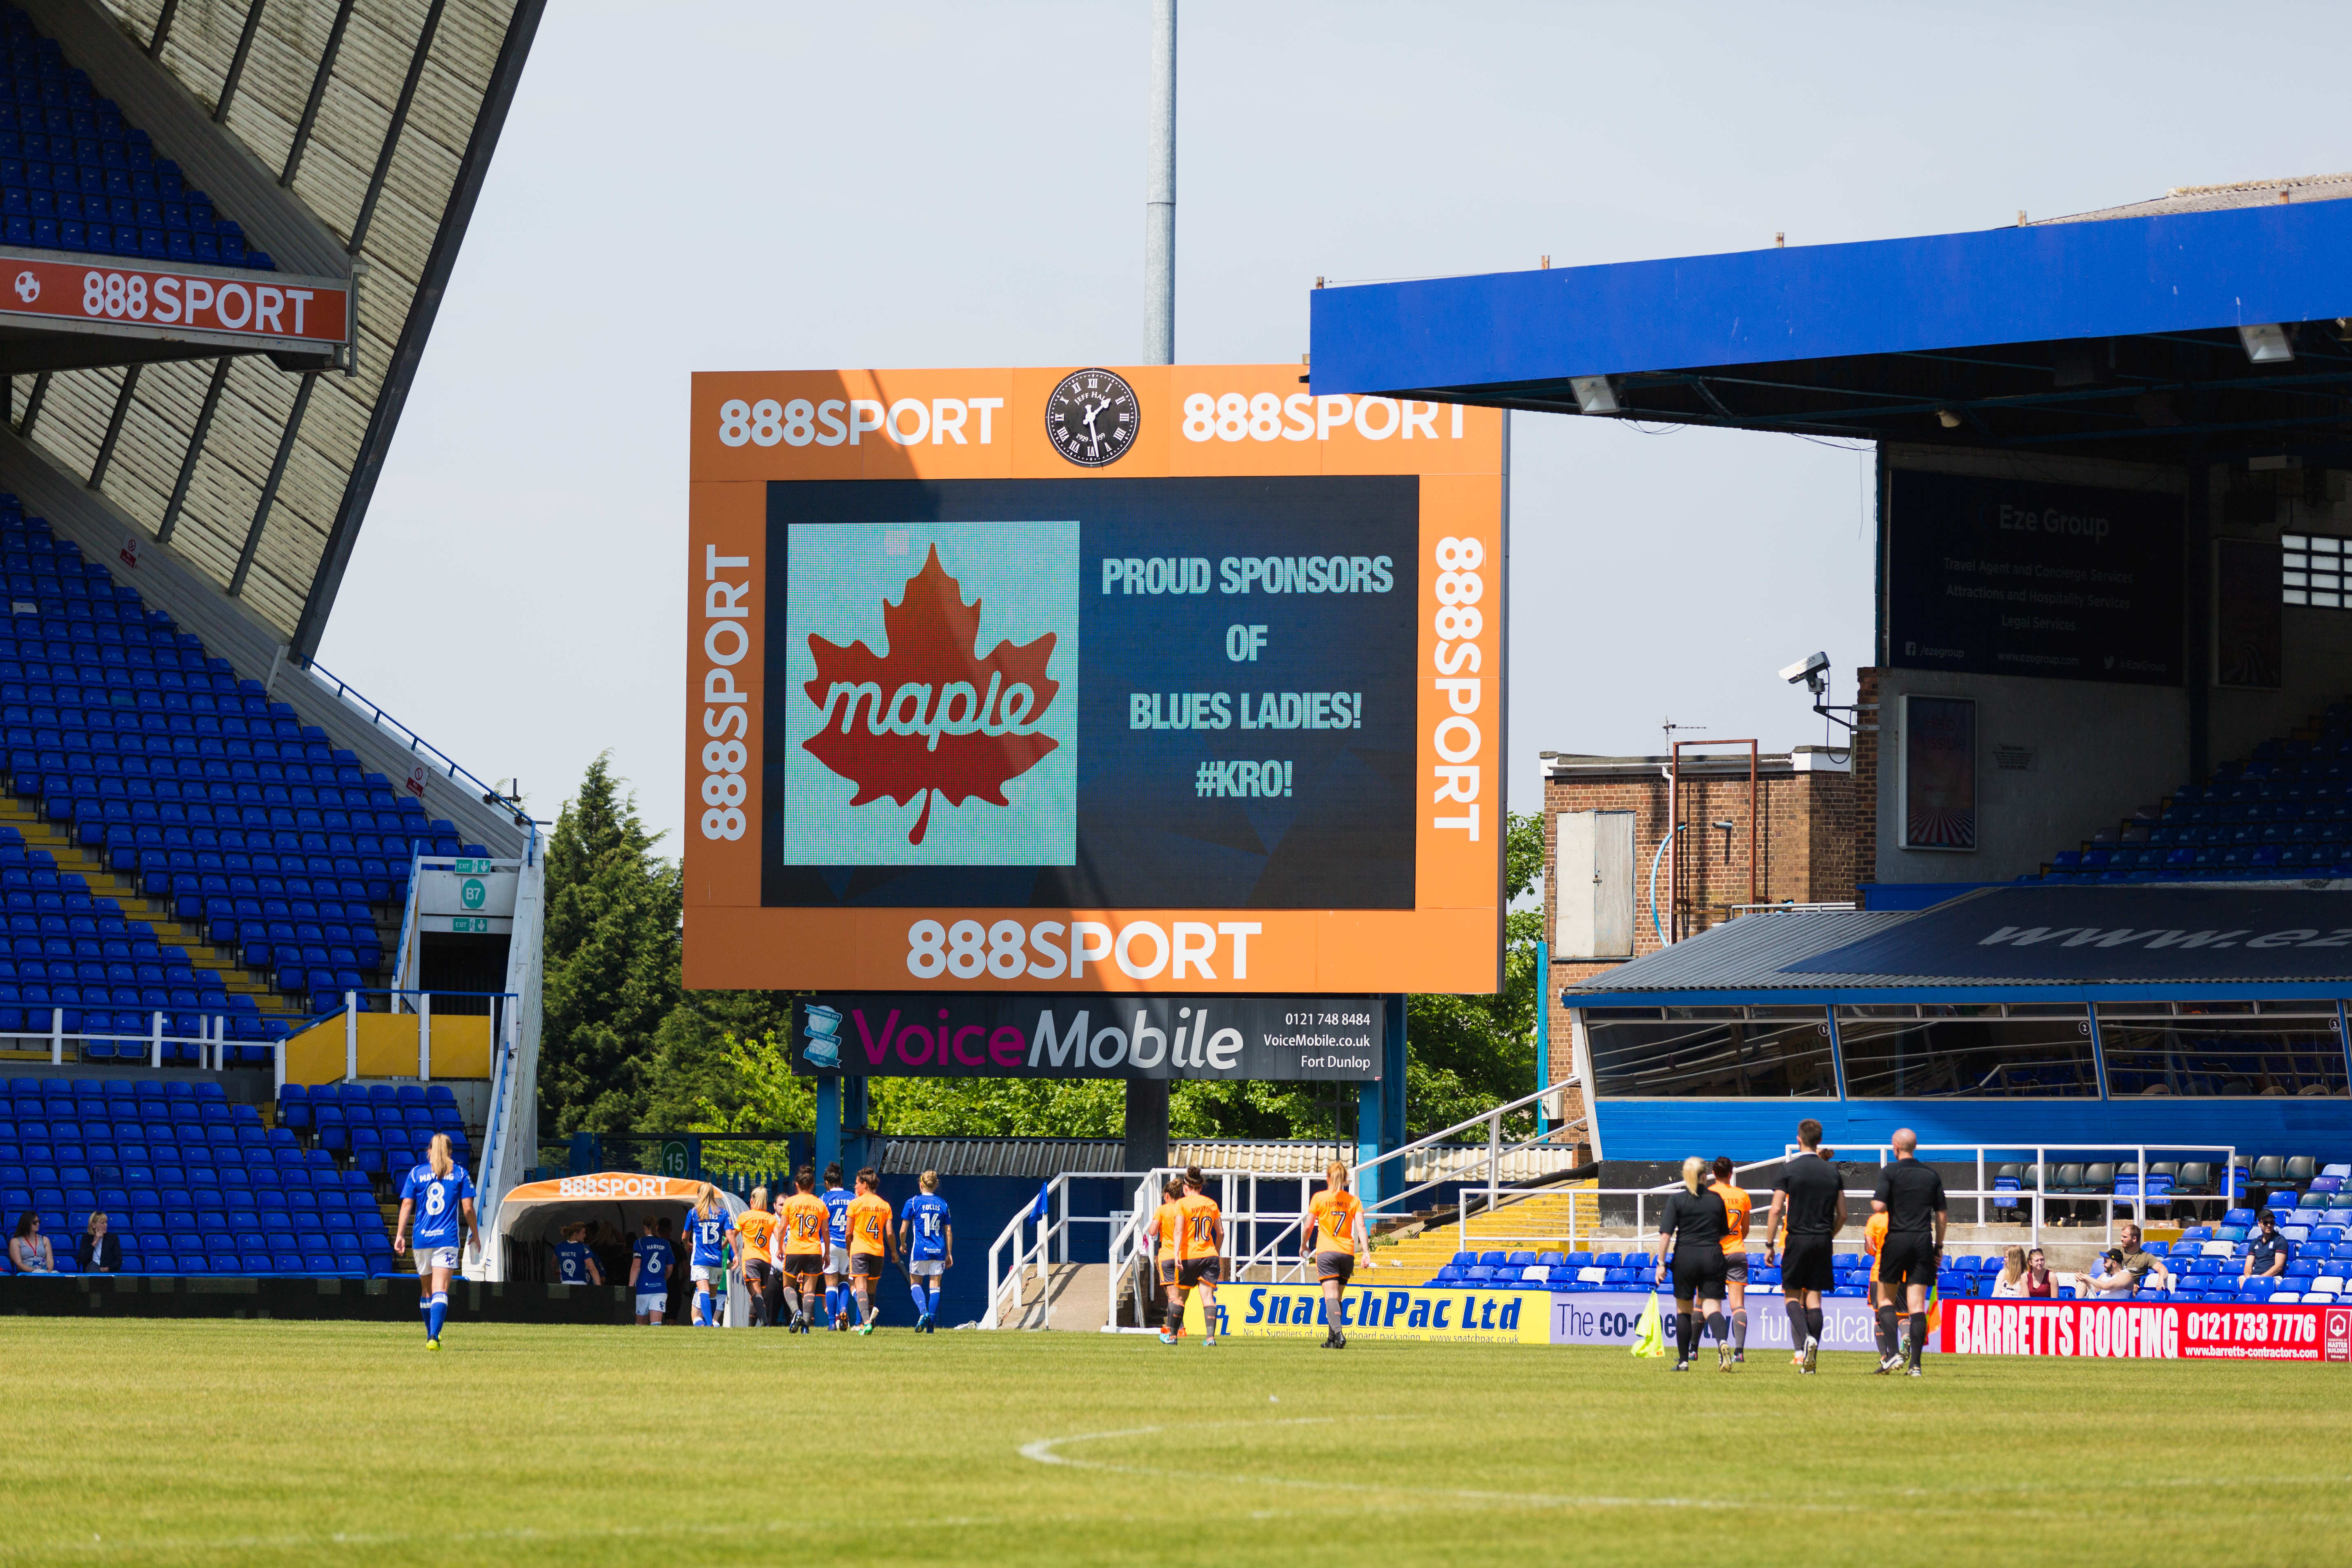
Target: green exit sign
x=471, y=867
x=470, y=923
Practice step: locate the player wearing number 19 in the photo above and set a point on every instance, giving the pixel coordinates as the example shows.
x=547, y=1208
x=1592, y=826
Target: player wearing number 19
x=440, y=1196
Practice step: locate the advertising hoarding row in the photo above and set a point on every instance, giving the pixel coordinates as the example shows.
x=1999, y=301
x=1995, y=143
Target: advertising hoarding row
x=1144, y=679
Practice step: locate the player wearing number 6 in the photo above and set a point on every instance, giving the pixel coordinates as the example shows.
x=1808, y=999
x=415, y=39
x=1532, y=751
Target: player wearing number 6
x=440, y=1196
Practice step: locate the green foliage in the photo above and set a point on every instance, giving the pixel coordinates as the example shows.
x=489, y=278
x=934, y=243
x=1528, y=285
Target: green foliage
x=612, y=959
x=755, y=1091
x=1469, y=1054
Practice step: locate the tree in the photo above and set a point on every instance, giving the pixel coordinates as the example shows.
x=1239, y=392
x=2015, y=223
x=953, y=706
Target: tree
x=1470, y=1054
x=611, y=963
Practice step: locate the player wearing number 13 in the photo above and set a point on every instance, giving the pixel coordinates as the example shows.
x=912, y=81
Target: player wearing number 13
x=440, y=1196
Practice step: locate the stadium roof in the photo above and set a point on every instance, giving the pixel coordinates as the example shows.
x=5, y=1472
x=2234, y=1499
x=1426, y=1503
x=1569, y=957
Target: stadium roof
x=352, y=142
x=2127, y=942
x=2113, y=334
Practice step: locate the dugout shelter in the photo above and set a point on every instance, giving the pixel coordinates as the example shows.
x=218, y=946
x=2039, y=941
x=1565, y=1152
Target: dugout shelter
x=2113, y=645
x=533, y=1216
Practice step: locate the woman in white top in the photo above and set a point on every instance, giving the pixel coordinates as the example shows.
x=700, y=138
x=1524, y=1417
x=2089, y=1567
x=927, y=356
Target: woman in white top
x=28, y=1249
x=2010, y=1285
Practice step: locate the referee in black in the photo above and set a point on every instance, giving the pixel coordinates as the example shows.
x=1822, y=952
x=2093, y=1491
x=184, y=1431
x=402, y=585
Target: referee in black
x=1810, y=1200
x=1695, y=1221
x=1911, y=1196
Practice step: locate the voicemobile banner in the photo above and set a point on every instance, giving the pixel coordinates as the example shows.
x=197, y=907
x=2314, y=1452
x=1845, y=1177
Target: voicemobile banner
x=2149, y=1330
x=915, y=1035
x=1147, y=679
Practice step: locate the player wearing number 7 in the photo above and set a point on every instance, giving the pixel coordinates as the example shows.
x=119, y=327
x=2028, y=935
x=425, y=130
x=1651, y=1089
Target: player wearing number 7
x=440, y=1196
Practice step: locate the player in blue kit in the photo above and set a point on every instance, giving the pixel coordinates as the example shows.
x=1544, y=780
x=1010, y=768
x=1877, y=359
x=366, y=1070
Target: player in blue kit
x=839, y=1297
x=650, y=1261
x=710, y=1233
x=927, y=1241
x=440, y=1196
x=574, y=1263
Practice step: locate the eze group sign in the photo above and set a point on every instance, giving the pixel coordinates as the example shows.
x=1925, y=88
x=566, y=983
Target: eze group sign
x=1158, y=679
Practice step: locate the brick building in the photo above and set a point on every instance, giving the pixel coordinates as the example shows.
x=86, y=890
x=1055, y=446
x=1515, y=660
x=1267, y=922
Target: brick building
x=1804, y=841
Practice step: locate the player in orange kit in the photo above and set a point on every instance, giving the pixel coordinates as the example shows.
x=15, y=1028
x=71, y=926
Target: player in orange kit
x=1334, y=1238
x=870, y=1246
x=1736, y=1207
x=1873, y=1239
x=1200, y=1240
x=1165, y=1222
x=804, y=1223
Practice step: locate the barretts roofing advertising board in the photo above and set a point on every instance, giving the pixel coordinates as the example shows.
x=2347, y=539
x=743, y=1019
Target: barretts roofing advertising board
x=1119, y=679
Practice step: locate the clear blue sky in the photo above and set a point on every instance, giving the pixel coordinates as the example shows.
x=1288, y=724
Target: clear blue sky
x=936, y=184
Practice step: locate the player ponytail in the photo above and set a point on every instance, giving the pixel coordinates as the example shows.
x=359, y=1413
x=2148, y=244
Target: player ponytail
x=929, y=1180
x=1336, y=1172
x=705, y=1202
x=1691, y=1168
x=437, y=1155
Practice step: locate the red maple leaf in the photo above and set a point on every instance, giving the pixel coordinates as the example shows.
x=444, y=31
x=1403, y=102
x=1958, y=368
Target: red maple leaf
x=930, y=717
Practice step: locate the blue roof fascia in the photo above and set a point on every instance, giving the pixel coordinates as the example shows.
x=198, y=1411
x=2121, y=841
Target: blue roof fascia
x=2178, y=272
x=1827, y=996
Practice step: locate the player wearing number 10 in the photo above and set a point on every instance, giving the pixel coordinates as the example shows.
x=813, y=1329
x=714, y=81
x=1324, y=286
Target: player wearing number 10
x=440, y=1196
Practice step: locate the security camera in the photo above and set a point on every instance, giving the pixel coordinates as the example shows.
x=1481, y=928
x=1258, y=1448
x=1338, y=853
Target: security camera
x=1807, y=670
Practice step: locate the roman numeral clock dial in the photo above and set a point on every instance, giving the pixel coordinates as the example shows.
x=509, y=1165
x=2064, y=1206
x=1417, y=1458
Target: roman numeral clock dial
x=1091, y=418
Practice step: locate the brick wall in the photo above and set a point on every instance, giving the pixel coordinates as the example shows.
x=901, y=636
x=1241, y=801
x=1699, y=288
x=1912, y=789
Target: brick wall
x=1812, y=830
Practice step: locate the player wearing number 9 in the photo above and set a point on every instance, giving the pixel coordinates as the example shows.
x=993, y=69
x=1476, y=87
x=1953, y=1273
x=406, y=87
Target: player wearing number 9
x=440, y=1196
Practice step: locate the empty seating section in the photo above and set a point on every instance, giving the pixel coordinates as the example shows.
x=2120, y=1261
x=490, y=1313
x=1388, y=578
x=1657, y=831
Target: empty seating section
x=220, y=803
x=2285, y=812
x=74, y=177
x=194, y=1185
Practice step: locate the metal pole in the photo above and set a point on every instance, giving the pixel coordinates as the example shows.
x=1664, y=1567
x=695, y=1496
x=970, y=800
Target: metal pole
x=1159, y=194
x=155, y=1041
x=425, y=1039
x=1543, y=1040
x=350, y=1037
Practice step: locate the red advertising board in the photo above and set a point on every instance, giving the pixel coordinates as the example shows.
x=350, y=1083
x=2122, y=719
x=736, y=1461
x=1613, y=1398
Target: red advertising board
x=174, y=301
x=2162, y=1331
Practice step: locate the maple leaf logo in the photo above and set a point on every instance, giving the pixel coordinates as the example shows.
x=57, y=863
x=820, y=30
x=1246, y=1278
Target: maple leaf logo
x=930, y=717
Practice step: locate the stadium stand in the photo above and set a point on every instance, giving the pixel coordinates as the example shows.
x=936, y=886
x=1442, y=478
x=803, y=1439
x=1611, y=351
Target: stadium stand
x=75, y=176
x=2283, y=811
x=198, y=1185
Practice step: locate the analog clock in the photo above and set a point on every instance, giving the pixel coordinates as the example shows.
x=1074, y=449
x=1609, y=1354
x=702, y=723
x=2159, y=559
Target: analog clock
x=1091, y=418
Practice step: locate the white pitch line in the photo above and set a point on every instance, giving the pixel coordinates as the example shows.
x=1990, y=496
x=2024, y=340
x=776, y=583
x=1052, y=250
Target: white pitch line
x=1043, y=1452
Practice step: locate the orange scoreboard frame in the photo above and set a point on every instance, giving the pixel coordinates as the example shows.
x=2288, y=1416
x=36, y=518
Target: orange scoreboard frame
x=978, y=680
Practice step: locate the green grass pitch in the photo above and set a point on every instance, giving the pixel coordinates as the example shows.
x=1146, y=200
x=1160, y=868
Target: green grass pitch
x=305, y=1443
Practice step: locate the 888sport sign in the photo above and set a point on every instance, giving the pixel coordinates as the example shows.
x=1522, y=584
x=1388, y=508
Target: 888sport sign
x=1092, y=679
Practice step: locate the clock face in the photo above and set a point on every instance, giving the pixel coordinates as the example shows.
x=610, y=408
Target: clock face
x=1091, y=418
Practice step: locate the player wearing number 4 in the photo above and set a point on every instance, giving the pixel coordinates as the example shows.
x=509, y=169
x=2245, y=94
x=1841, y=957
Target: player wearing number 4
x=440, y=1196
x=927, y=1241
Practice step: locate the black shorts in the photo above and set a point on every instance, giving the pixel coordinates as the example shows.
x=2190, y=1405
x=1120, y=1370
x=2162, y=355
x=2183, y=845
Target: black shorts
x=1197, y=1271
x=1339, y=1266
x=1167, y=1267
x=866, y=1266
x=1735, y=1268
x=1805, y=1265
x=800, y=1265
x=1907, y=1260
x=758, y=1275
x=1698, y=1271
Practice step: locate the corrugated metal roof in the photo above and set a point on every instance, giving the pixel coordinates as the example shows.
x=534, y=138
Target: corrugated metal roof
x=1748, y=953
x=1038, y=1159
x=419, y=211
x=2213, y=198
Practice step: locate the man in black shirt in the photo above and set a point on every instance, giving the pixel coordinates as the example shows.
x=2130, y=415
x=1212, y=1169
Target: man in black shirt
x=1810, y=1199
x=1911, y=1196
x=2266, y=1253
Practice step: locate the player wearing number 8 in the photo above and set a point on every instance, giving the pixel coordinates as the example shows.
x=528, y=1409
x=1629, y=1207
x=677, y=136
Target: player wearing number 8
x=440, y=1196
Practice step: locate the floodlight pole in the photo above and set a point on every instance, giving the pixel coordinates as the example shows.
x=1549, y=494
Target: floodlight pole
x=1145, y=1145
x=1159, y=194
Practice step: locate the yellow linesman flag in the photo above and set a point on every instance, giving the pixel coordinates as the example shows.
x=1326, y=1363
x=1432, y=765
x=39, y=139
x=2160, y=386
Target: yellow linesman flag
x=1650, y=1335
x=1934, y=1309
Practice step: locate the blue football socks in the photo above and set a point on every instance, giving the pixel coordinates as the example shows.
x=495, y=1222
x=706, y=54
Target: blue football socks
x=933, y=1310
x=435, y=1311
x=917, y=1292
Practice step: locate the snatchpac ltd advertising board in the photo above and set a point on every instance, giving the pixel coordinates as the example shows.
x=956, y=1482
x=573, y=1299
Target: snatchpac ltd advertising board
x=1092, y=679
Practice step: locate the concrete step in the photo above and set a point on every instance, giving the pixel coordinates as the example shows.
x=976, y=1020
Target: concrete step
x=1069, y=1297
